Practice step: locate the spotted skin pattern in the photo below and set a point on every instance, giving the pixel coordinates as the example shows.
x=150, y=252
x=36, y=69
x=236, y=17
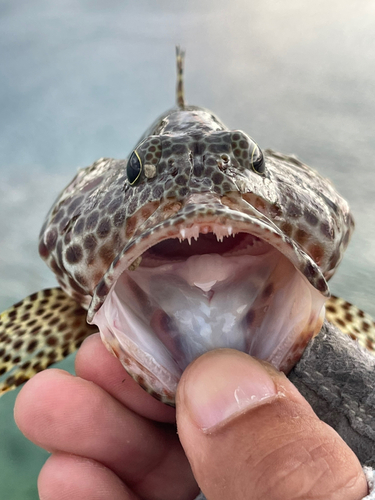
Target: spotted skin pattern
x=193, y=170
x=99, y=216
x=353, y=321
x=37, y=332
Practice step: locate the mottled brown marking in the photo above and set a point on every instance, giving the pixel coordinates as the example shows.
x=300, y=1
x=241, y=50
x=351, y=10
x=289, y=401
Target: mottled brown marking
x=331, y=309
x=32, y=345
x=317, y=252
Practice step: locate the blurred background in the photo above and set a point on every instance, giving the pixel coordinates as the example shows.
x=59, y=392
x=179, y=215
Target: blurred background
x=83, y=79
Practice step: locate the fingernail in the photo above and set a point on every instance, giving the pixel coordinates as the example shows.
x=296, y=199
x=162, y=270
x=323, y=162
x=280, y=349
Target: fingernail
x=224, y=384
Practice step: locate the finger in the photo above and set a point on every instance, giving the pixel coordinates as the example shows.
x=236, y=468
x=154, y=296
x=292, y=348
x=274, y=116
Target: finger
x=60, y=412
x=69, y=477
x=248, y=432
x=94, y=362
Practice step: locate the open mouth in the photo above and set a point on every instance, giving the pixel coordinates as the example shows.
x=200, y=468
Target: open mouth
x=207, y=286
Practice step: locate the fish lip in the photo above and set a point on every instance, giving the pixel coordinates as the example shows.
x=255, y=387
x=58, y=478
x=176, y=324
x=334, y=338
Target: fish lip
x=202, y=215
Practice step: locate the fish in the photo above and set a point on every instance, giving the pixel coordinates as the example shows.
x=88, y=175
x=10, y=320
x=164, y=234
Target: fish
x=199, y=239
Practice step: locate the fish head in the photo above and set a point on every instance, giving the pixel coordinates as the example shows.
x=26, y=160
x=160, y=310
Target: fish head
x=198, y=240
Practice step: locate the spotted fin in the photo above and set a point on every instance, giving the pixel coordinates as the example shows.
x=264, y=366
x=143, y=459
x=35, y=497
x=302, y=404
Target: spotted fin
x=40, y=330
x=352, y=321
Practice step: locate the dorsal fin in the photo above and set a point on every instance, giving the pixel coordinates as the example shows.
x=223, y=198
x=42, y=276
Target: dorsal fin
x=180, y=96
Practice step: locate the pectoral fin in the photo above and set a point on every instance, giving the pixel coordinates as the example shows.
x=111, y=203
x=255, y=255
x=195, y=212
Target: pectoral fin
x=40, y=330
x=353, y=321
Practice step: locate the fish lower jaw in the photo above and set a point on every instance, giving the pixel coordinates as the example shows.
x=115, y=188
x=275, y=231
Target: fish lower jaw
x=182, y=300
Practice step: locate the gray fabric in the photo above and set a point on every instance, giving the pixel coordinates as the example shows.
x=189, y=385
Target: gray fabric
x=337, y=378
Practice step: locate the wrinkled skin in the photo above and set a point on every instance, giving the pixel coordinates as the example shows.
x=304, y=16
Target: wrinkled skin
x=108, y=442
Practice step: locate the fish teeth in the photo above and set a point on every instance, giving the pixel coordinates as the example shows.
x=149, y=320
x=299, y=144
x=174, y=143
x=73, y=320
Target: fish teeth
x=183, y=233
x=230, y=230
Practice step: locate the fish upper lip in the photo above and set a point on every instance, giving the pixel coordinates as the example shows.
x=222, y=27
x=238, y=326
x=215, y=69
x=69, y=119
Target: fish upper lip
x=220, y=218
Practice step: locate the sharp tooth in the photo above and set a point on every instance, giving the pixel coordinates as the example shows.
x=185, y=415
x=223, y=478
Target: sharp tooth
x=230, y=230
x=183, y=233
x=189, y=240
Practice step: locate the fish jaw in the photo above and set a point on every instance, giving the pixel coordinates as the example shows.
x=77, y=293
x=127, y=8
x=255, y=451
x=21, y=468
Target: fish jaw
x=256, y=291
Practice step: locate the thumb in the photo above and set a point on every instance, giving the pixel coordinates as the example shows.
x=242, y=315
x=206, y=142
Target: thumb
x=248, y=433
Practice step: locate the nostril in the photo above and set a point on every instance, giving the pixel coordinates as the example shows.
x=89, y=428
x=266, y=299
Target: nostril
x=225, y=158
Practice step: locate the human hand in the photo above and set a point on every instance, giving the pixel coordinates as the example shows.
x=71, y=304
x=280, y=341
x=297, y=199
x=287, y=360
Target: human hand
x=245, y=428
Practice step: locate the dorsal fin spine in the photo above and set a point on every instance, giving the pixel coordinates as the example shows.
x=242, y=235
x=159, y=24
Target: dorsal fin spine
x=180, y=96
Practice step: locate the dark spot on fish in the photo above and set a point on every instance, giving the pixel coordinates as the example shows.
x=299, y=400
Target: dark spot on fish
x=326, y=230
x=309, y=271
x=287, y=228
x=181, y=180
x=329, y=202
x=43, y=250
x=74, y=204
x=366, y=326
x=60, y=214
x=17, y=344
x=75, y=286
x=51, y=341
x=52, y=357
x=317, y=252
x=73, y=254
x=32, y=345
x=104, y=228
x=250, y=316
x=321, y=285
x=119, y=218
x=55, y=268
x=217, y=178
x=179, y=149
x=92, y=220
x=268, y=291
x=227, y=187
x=349, y=317
x=102, y=289
x=37, y=366
x=133, y=206
x=115, y=204
x=106, y=200
x=157, y=192
x=79, y=225
x=294, y=210
x=311, y=218
x=301, y=236
x=53, y=321
x=183, y=192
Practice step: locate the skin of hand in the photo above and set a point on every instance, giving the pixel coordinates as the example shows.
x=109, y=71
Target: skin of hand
x=244, y=432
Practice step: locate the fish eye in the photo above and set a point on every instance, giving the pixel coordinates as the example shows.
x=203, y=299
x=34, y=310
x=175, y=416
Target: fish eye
x=247, y=152
x=133, y=168
x=257, y=161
